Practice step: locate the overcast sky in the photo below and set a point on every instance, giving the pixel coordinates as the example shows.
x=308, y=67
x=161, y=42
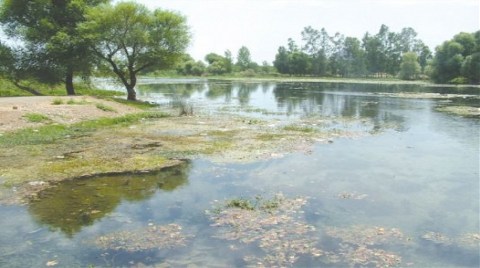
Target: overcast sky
x=264, y=25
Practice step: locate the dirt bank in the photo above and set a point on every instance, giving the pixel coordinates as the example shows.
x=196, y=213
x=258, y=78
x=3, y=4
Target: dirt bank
x=60, y=110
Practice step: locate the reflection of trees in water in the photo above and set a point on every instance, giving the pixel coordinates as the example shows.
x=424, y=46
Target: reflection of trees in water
x=241, y=91
x=337, y=100
x=244, y=90
x=173, y=91
x=73, y=204
x=218, y=90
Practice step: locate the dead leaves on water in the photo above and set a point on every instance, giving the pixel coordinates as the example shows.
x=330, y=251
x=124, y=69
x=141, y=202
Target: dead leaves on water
x=466, y=241
x=276, y=225
x=359, y=245
x=151, y=237
x=283, y=236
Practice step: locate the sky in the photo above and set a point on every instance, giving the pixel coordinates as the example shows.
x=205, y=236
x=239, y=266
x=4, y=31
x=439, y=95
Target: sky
x=264, y=25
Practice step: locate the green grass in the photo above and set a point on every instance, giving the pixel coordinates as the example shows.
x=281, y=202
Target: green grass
x=105, y=108
x=36, y=117
x=75, y=102
x=296, y=128
x=257, y=203
x=143, y=105
x=57, y=102
x=51, y=133
x=8, y=89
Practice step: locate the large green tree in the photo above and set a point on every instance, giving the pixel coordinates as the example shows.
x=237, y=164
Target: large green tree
x=218, y=64
x=131, y=38
x=458, y=59
x=244, y=59
x=409, y=68
x=50, y=28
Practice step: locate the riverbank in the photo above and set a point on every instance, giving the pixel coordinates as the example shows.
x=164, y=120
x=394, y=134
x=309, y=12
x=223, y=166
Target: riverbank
x=86, y=136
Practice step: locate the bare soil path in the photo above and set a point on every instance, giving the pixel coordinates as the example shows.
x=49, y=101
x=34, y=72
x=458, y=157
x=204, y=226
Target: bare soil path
x=61, y=110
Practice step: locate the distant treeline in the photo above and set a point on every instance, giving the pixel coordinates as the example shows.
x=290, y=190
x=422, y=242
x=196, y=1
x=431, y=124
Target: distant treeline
x=53, y=42
x=384, y=54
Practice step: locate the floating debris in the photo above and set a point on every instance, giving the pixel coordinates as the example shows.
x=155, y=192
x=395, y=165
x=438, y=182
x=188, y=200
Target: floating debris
x=361, y=235
x=357, y=245
x=274, y=224
x=469, y=240
x=353, y=196
x=364, y=256
x=51, y=263
x=152, y=237
x=465, y=241
x=437, y=238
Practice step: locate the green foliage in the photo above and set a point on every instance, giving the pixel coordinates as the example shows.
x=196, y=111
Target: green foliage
x=323, y=54
x=457, y=58
x=188, y=66
x=244, y=60
x=240, y=203
x=105, y=108
x=218, y=64
x=36, y=117
x=410, y=68
x=258, y=203
x=132, y=39
x=53, y=49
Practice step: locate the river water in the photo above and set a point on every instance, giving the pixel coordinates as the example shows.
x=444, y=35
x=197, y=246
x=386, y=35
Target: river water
x=409, y=193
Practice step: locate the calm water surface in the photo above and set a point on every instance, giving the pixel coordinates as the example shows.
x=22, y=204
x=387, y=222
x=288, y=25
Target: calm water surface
x=419, y=176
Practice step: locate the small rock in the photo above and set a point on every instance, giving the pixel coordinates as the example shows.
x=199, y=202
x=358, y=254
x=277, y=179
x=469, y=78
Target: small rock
x=52, y=263
x=36, y=183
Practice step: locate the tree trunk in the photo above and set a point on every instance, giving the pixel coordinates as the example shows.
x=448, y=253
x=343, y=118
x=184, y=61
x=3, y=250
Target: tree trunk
x=29, y=90
x=132, y=95
x=69, y=83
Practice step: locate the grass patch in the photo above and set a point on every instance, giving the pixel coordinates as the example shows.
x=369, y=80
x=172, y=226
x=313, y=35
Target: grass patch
x=36, y=118
x=143, y=105
x=52, y=133
x=297, y=128
x=57, y=101
x=218, y=146
x=105, y=108
x=8, y=89
x=257, y=203
x=269, y=136
x=224, y=134
x=84, y=167
x=75, y=102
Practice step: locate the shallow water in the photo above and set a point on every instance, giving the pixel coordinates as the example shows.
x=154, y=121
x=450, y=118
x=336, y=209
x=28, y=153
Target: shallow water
x=419, y=176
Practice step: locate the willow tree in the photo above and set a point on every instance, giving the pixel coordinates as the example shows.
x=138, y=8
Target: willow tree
x=130, y=39
x=49, y=28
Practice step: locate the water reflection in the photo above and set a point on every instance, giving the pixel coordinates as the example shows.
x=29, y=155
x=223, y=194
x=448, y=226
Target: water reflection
x=74, y=204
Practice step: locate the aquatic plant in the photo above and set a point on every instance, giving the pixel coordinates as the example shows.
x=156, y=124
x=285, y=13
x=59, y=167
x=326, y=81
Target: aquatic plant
x=149, y=238
x=274, y=224
x=358, y=245
x=465, y=241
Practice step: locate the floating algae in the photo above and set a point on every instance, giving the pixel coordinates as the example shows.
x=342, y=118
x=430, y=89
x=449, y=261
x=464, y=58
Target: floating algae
x=357, y=245
x=152, y=237
x=279, y=229
x=274, y=225
x=464, y=241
